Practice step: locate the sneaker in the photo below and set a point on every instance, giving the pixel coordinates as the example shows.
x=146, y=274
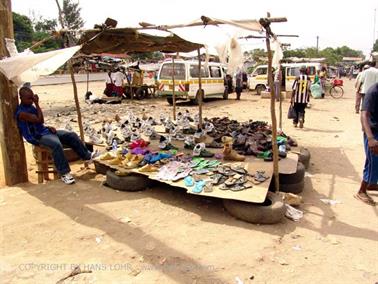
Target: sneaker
x=67, y=178
x=95, y=154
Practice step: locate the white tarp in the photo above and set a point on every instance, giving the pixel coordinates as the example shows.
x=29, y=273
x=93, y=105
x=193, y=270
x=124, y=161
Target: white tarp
x=278, y=53
x=28, y=67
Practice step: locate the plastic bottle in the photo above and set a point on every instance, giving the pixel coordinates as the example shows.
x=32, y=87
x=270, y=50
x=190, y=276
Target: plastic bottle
x=114, y=145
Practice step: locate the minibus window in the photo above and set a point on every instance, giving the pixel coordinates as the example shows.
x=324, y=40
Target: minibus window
x=194, y=71
x=215, y=72
x=167, y=71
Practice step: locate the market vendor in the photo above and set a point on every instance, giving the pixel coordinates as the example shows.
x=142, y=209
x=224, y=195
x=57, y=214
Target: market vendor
x=118, y=80
x=30, y=123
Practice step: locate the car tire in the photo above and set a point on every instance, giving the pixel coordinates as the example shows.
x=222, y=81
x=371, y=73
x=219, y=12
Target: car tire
x=259, y=89
x=295, y=188
x=296, y=177
x=196, y=100
x=225, y=94
x=304, y=157
x=170, y=101
x=131, y=182
x=271, y=211
x=101, y=168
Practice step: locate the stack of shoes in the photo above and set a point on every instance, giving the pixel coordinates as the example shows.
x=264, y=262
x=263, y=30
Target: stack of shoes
x=201, y=137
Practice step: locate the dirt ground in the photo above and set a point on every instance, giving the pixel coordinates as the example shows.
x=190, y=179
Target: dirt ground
x=163, y=235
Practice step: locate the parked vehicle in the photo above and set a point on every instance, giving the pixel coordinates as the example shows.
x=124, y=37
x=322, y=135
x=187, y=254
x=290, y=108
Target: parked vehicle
x=186, y=75
x=258, y=80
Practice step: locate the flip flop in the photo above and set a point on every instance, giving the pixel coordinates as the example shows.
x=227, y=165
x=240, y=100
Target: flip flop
x=366, y=199
x=189, y=181
x=208, y=187
x=182, y=174
x=198, y=187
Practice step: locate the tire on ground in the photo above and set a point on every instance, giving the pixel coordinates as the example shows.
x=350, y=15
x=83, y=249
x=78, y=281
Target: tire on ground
x=271, y=211
x=296, y=177
x=304, y=157
x=225, y=94
x=170, y=101
x=101, y=168
x=132, y=182
x=292, y=188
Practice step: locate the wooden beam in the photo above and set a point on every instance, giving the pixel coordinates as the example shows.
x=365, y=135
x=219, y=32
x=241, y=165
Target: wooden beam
x=12, y=145
x=173, y=88
x=200, y=93
x=77, y=103
x=272, y=110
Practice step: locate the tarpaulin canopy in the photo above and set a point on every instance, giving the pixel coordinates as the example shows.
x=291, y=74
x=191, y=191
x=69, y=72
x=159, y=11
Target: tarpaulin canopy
x=27, y=66
x=130, y=40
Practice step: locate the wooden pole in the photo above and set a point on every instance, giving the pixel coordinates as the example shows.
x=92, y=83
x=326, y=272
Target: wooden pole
x=77, y=103
x=87, y=81
x=279, y=95
x=173, y=88
x=200, y=93
x=12, y=145
x=70, y=68
x=273, y=112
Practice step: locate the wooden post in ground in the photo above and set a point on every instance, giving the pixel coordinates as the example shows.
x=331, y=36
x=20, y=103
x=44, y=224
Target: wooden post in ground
x=272, y=109
x=77, y=103
x=200, y=93
x=173, y=88
x=12, y=145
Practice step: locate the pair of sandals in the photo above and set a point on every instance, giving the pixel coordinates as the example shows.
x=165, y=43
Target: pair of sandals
x=198, y=186
x=236, y=183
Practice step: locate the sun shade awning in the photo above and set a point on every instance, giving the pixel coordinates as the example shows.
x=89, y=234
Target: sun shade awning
x=130, y=40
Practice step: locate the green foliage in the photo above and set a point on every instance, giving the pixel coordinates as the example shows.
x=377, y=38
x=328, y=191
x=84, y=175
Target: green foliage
x=71, y=15
x=45, y=25
x=375, y=46
x=23, y=31
x=28, y=32
x=332, y=55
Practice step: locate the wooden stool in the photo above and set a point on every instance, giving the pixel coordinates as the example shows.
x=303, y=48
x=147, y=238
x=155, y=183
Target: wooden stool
x=45, y=163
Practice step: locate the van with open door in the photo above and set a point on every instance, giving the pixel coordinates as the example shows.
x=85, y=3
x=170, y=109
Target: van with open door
x=186, y=76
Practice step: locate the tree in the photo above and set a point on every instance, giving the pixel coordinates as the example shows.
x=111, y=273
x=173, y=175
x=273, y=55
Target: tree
x=375, y=46
x=23, y=31
x=71, y=15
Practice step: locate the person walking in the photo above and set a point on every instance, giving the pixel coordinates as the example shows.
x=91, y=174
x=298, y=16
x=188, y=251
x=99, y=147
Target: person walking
x=30, y=122
x=367, y=79
x=300, y=97
x=369, y=121
x=239, y=84
x=358, y=86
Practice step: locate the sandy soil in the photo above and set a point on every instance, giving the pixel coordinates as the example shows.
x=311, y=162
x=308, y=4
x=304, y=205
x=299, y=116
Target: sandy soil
x=163, y=235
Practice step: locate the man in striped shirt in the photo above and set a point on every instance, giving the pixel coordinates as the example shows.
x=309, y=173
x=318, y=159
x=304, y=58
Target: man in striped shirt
x=301, y=96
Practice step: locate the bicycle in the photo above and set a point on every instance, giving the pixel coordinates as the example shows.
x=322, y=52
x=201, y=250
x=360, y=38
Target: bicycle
x=336, y=88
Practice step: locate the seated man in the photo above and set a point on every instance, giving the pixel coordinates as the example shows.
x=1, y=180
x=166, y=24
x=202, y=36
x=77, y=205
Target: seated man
x=30, y=122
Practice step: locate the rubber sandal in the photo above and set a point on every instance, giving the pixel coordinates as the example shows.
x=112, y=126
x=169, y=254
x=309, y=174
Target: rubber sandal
x=237, y=187
x=208, y=187
x=198, y=187
x=189, y=181
x=182, y=174
x=367, y=199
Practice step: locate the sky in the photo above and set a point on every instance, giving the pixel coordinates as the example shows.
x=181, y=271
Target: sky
x=336, y=23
